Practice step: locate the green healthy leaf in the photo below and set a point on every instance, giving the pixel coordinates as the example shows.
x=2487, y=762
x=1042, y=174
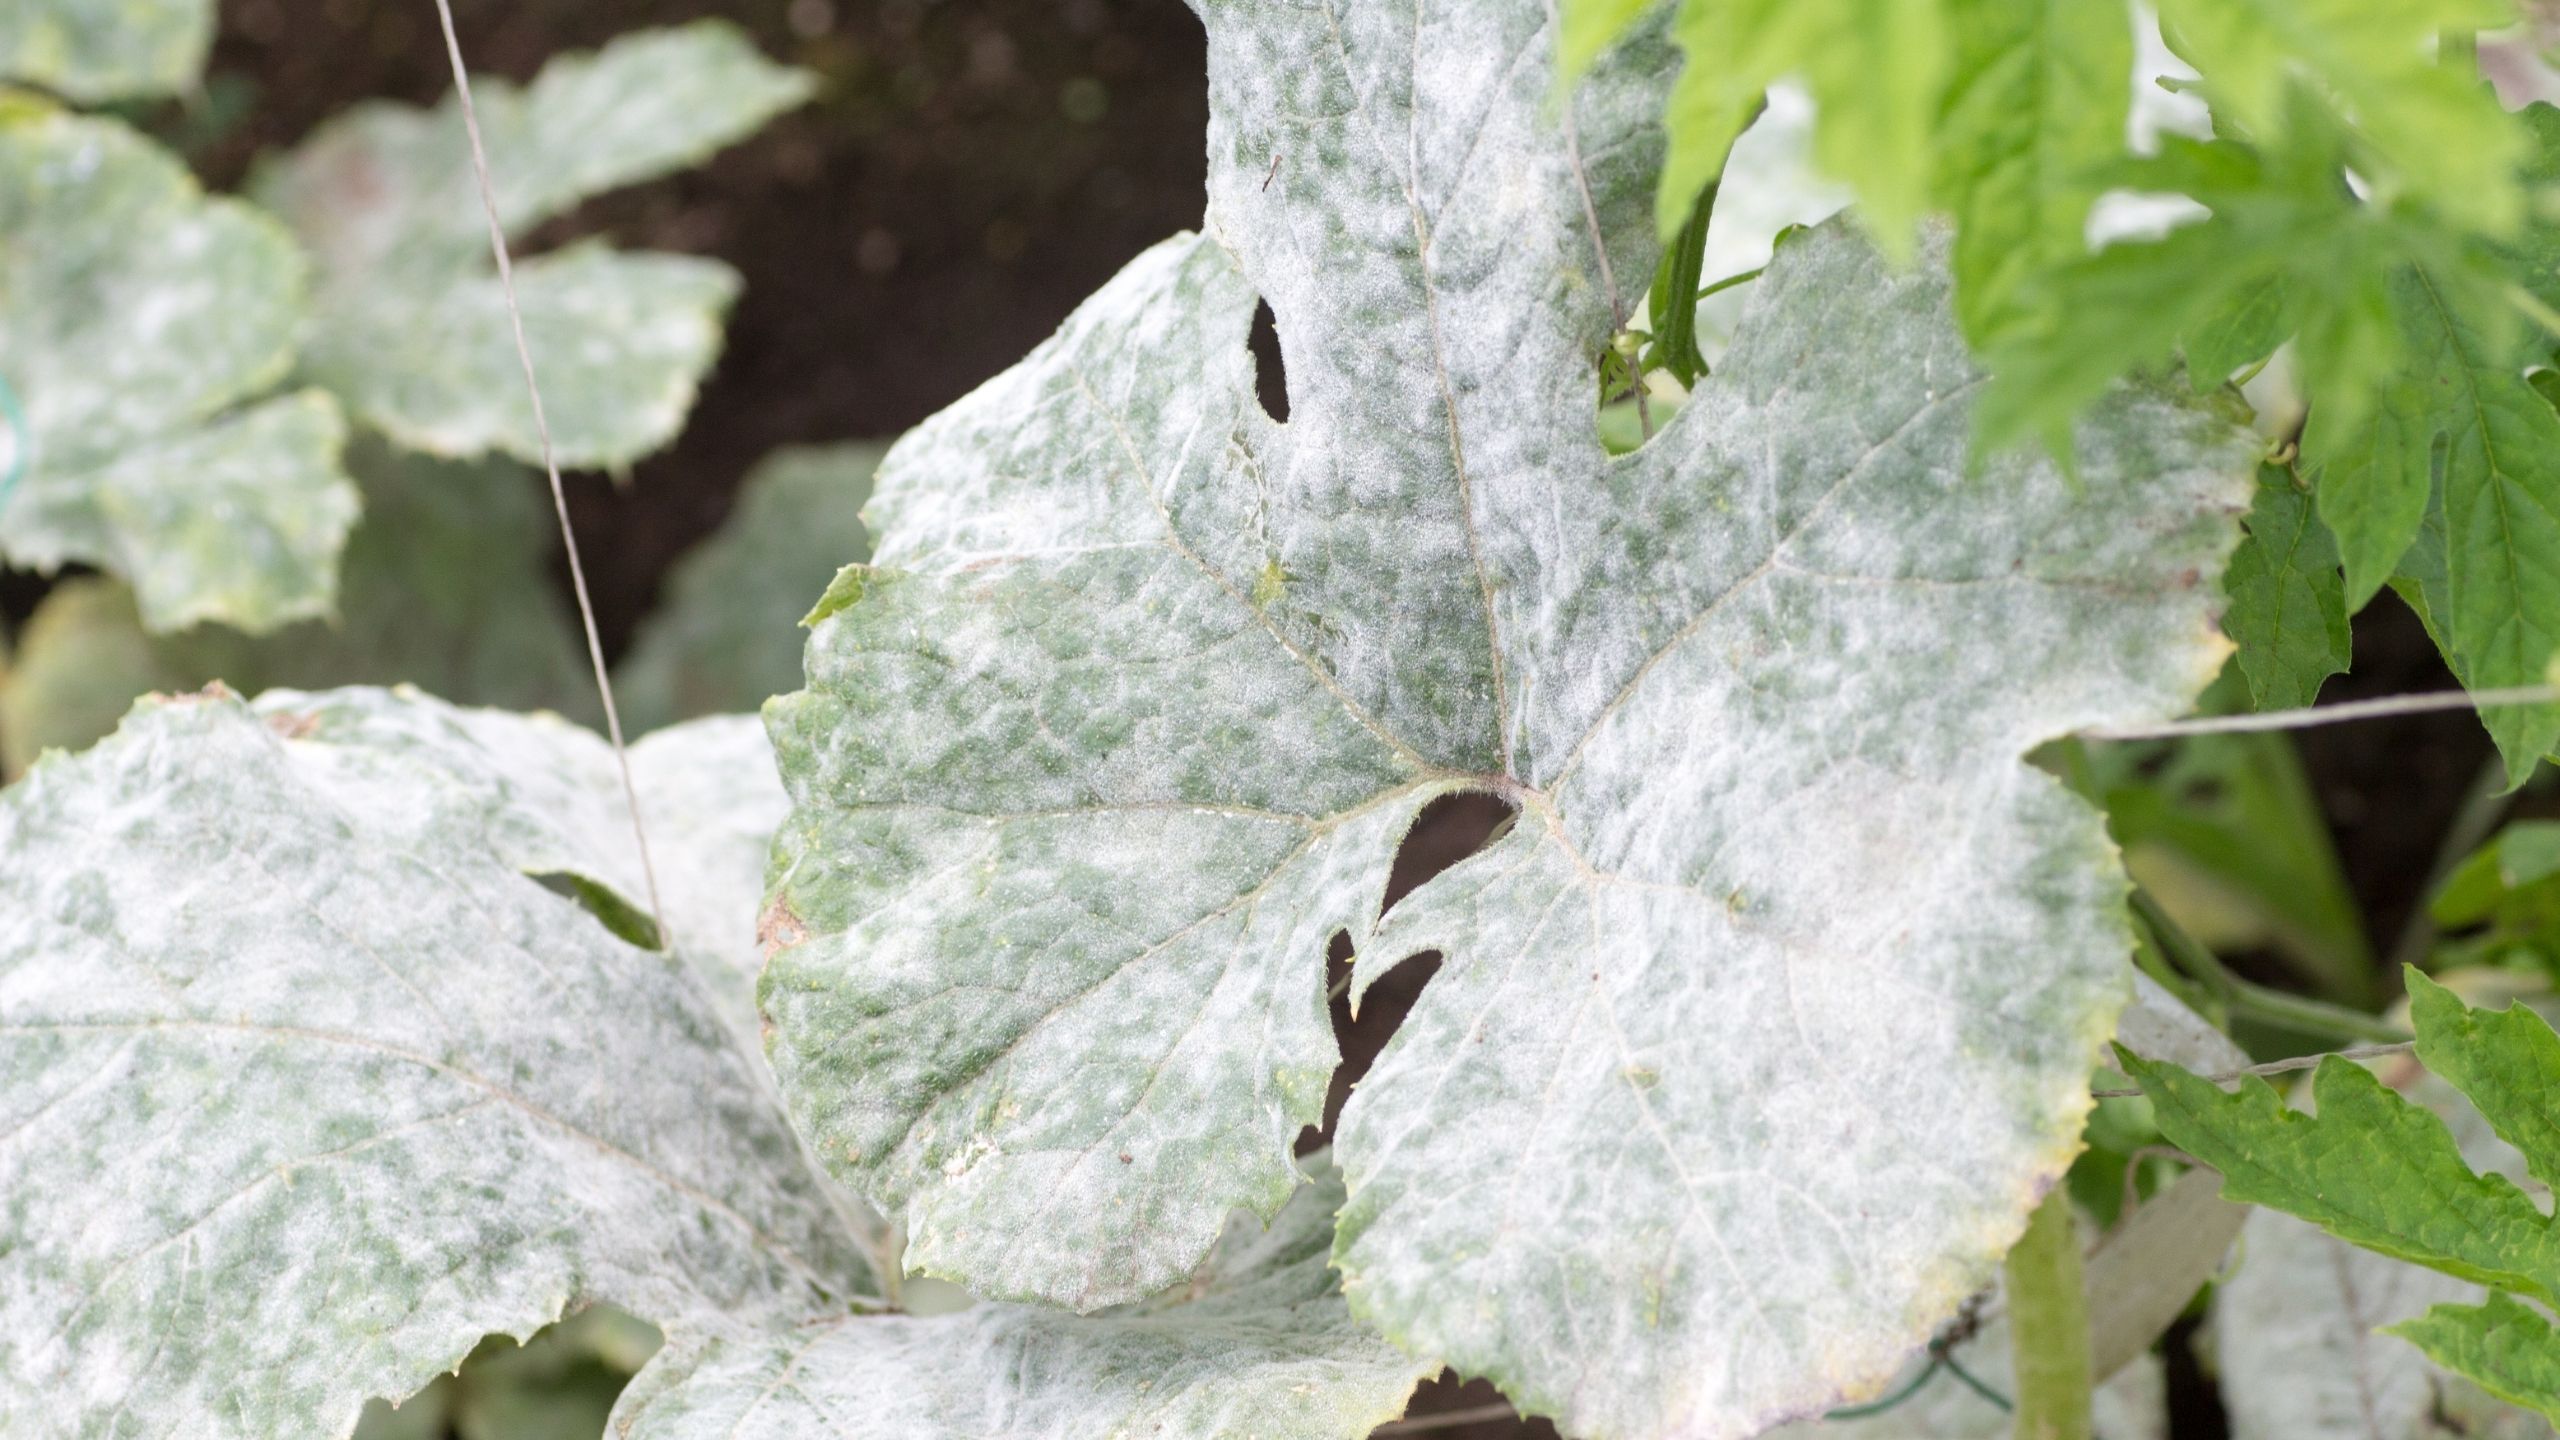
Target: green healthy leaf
x=2295, y=1325
x=2438, y=127
x=309, y=1085
x=2371, y=1168
x=2505, y=1345
x=1257, y=1346
x=1080, y=800
x=725, y=636
x=135, y=315
x=2034, y=115
x=412, y=327
x=2288, y=599
x=1877, y=74
x=445, y=587
x=2506, y=1062
x=95, y=51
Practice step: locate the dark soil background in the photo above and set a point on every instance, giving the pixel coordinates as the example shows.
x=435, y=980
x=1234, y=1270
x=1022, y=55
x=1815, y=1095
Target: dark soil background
x=970, y=171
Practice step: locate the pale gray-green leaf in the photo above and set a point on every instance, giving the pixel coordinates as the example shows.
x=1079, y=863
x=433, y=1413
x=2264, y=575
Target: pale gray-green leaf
x=2298, y=1326
x=725, y=635
x=2133, y=1405
x=134, y=313
x=308, y=1086
x=446, y=585
x=412, y=325
x=95, y=51
x=1257, y=1346
x=1774, y=1013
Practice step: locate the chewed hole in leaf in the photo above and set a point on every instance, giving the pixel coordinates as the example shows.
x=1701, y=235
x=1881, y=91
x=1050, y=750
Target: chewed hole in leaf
x=561, y=1383
x=1448, y=830
x=627, y=922
x=1270, y=377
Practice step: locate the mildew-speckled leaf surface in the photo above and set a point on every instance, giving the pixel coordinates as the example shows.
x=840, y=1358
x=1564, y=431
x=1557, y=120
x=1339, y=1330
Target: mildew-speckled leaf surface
x=444, y=585
x=94, y=51
x=1258, y=1346
x=726, y=635
x=412, y=327
x=135, y=314
x=307, y=1083
x=1763, y=1028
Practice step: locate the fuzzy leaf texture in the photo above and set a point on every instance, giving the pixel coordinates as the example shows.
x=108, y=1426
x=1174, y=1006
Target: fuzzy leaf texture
x=95, y=51
x=1257, y=1344
x=1144, y=690
x=412, y=327
x=139, y=321
x=310, y=1084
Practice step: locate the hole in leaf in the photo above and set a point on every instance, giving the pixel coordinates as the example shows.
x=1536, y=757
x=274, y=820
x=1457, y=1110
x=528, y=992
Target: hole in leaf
x=562, y=1382
x=1462, y=1409
x=1270, y=378
x=1448, y=830
x=627, y=922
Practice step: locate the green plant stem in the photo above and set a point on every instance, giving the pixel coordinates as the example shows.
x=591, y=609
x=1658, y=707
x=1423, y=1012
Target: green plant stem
x=1675, y=290
x=2049, y=1325
x=2248, y=998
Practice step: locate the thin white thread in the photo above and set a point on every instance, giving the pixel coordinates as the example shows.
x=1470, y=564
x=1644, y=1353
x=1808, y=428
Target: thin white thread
x=2390, y=705
x=2279, y=1067
x=550, y=464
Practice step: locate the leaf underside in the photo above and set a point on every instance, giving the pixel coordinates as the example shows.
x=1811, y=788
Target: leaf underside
x=1759, y=1033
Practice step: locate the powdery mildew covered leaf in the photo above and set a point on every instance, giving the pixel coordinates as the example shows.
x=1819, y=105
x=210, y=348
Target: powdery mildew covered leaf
x=726, y=636
x=444, y=585
x=412, y=326
x=306, y=1084
x=1258, y=1346
x=1766, y=1024
x=135, y=314
x=94, y=51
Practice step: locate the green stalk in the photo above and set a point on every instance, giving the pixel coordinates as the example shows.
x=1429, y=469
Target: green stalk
x=1675, y=295
x=2049, y=1325
x=2248, y=998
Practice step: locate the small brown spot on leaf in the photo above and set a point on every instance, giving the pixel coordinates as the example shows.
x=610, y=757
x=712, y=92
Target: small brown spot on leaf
x=1124, y=1158
x=779, y=928
x=291, y=726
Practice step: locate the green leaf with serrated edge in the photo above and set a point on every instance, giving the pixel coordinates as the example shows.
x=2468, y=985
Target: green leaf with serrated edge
x=1257, y=1345
x=2370, y=1168
x=135, y=314
x=95, y=51
x=2505, y=1062
x=1077, y=809
x=2034, y=111
x=412, y=326
x=1877, y=75
x=310, y=1086
x=2507, y=1347
x=2246, y=331
x=726, y=636
x=446, y=587
x=2372, y=484
x=2439, y=128
x=2295, y=1322
x=2288, y=600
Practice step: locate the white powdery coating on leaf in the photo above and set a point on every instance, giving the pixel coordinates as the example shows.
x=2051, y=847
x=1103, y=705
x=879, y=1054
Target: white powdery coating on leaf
x=1258, y=1346
x=1759, y=1035
x=305, y=1086
x=134, y=312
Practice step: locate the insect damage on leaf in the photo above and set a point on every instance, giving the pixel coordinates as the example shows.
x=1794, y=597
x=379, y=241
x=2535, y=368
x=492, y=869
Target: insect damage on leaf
x=1079, y=803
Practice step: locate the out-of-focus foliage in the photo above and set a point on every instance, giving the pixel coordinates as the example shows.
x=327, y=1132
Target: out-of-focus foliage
x=447, y=587
x=92, y=51
x=723, y=636
x=559, y=1385
x=411, y=325
x=140, y=322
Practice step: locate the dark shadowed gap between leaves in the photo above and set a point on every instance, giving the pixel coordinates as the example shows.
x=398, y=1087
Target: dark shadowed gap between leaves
x=562, y=1382
x=1270, y=376
x=2195, y=1401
